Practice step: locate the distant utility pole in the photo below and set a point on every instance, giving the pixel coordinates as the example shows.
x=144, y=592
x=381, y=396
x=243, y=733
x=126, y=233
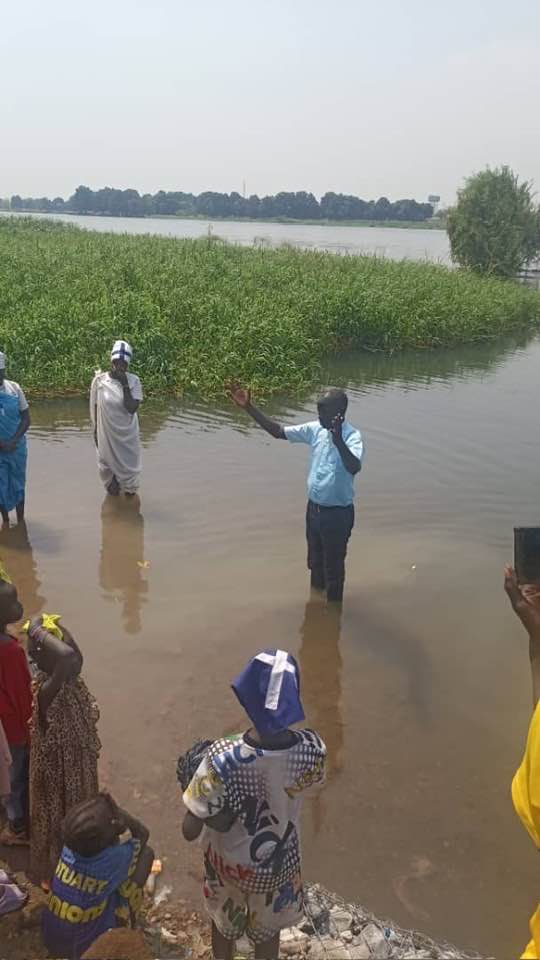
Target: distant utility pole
x=244, y=189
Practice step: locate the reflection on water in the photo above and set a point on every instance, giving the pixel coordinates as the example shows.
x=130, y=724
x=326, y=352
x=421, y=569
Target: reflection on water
x=320, y=674
x=413, y=368
x=390, y=641
x=122, y=564
x=18, y=559
x=55, y=419
x=420, y=687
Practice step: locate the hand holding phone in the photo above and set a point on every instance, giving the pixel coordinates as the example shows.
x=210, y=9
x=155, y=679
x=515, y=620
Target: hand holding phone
x=527, y=554
x=336, y=427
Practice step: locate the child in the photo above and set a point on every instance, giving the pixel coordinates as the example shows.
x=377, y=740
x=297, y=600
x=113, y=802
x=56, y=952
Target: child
x=247, y=791
x=99, y=880
x=15, y=711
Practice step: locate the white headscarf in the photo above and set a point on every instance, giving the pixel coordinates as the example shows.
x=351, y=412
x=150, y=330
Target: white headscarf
x=121, y=351
x=2, y=361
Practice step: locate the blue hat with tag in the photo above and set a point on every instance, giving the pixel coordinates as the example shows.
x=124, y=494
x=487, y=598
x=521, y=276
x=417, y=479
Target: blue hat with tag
x=269, y=691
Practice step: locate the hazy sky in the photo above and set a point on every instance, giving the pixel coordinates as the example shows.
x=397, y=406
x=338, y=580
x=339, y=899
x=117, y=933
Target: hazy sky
x=398, y=98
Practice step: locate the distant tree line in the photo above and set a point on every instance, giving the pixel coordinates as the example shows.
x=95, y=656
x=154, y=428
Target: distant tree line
x=287, y=206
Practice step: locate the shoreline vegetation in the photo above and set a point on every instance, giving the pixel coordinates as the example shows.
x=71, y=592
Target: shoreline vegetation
x=202, y=312
x=433, y=224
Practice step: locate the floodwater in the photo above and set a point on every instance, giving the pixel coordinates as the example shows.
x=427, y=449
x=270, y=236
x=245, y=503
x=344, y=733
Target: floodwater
x=420, y=688
x=393, y=242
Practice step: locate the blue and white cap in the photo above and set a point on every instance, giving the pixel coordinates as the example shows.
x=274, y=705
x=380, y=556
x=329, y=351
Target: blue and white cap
x=121, y=351
x=269, y=691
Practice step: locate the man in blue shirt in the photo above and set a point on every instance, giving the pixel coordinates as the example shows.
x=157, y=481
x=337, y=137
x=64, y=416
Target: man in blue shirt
x=336, y=457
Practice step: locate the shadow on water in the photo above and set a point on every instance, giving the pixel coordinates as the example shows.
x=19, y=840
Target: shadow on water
x=18, y=559
x=121, y=564
x=56, y=419
x=360, y=371
x=364, y=369
x=320, y=674
x=389, y=641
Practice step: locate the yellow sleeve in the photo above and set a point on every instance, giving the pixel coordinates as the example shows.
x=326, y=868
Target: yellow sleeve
x=526, y=783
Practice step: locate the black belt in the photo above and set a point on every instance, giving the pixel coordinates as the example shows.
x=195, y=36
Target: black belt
x=319, y=506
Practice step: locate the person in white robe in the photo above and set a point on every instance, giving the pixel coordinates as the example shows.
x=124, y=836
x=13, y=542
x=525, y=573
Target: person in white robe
x=115, y=397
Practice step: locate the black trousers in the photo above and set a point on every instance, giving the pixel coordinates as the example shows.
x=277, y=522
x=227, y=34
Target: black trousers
x=327, y=531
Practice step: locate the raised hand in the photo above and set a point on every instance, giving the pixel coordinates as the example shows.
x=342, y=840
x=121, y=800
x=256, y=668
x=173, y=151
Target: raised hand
x=121, y=376
x=525, y=602
x=241, y=396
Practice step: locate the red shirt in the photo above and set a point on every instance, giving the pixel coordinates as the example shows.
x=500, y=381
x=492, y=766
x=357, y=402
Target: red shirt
x=15, y=692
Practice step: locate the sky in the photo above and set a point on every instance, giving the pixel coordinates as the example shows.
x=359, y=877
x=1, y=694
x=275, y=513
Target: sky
x=400, y=98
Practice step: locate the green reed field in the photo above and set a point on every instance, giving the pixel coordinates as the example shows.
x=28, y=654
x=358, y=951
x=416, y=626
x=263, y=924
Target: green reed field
x=201, y=312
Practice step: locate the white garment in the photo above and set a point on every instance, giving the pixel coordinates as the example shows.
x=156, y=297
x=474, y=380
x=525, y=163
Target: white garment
x=118, y=441
x=261, y=850
x=14, y=390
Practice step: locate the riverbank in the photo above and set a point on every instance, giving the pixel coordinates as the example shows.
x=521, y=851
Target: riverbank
x=434, y=224
x=200, y=312
x=392, y=224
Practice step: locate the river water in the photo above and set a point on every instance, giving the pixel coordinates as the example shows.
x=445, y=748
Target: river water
x=393, y=242
x=421, y=688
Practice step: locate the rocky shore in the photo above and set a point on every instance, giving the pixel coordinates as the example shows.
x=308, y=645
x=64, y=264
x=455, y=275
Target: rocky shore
x=332, y=930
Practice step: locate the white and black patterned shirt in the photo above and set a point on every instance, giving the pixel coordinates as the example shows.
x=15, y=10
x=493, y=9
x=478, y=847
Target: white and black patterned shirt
x=261, y=851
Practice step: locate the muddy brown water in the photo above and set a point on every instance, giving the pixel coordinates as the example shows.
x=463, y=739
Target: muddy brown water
x=420, y=688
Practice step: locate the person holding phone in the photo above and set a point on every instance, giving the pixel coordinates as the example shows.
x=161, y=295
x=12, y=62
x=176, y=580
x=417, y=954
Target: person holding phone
x=525, y=600
x=336, y=457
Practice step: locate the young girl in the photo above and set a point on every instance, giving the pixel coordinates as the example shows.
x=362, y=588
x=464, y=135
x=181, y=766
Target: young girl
x=247, y=791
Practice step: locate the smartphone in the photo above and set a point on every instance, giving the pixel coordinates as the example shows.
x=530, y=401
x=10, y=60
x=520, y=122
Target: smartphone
x=527, y=554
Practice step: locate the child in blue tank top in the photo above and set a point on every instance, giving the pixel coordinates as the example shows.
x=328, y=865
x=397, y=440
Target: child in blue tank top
x=98, y=883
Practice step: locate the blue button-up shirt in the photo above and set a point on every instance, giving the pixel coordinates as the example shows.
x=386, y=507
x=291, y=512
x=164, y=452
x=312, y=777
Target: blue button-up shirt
x=329, y=482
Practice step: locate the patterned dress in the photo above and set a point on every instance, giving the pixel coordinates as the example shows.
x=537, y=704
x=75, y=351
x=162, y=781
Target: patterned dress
x=64, y=753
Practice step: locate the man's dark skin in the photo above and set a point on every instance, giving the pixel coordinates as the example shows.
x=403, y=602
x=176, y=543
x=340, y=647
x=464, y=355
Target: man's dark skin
x=331, y=408
x=8, y=446
x=118, y=372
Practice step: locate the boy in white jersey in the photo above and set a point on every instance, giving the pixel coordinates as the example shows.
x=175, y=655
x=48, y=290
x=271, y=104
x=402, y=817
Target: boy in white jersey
x=247, y=792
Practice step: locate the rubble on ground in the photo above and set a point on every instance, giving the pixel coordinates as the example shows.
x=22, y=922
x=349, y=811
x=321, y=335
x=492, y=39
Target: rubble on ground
x=336, y=930
x=20, y=931
x=121, y=944
x=332, y=930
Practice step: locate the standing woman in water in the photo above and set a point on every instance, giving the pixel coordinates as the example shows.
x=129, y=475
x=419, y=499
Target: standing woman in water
x=114, y=400
x=14, y=422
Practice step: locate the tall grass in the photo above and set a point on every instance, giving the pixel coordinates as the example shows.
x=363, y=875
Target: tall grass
x=198, y=312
